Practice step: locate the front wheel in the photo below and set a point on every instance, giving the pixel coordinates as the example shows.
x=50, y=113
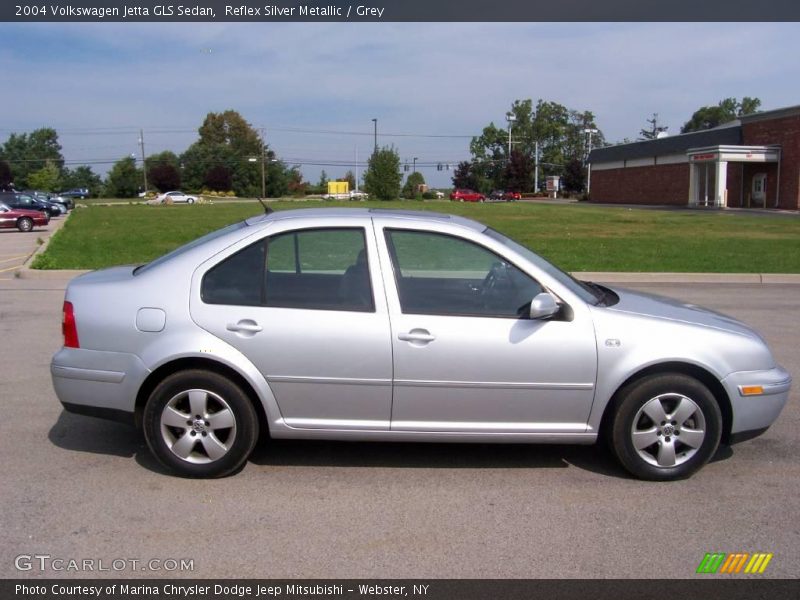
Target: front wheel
x=25, y=224
x=200, y=424
x=666, y=427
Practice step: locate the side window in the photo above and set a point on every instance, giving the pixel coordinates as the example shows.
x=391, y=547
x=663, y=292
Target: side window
x=322, y=269
x=238, y=280
x=445, y=275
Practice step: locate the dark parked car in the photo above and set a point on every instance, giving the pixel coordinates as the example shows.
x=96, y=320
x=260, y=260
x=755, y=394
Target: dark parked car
x=465, y=195
x=59, y=201
x=24, y=220
x=75, y=193
x=28, y=202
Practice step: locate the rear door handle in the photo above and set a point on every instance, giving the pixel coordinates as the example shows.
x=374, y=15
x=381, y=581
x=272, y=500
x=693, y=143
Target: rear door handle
x=244, y=327
x=420, y=336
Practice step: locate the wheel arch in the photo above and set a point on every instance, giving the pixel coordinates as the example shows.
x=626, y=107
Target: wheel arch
x=702, y=375
x=192, y=362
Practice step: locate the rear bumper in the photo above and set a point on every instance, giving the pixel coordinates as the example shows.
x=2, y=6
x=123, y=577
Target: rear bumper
x=753, y=412
x=95, y=383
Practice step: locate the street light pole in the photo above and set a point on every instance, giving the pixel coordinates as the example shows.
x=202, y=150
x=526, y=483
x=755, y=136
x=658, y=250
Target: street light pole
x=589, y=131
x=415, y=164
x=375, y=124
x=510, y=118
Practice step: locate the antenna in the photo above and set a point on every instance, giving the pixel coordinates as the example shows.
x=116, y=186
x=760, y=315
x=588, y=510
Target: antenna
x=267, y=209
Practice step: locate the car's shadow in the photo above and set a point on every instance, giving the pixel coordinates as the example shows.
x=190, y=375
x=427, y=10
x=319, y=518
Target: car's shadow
x=96, y=436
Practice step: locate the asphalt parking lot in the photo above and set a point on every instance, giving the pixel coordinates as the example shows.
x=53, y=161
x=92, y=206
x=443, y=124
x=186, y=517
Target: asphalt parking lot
x=16, y=247
x=79, y=488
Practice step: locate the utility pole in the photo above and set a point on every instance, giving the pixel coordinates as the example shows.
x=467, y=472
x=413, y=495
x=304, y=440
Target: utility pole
x=415, y=165
x=536, y=166
x=144, y=166
x=263, y=165
x=375, y=123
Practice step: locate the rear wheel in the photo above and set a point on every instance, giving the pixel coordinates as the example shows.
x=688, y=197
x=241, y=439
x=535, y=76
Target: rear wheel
x=200, y=424
x=666, y=427
x=25, y=224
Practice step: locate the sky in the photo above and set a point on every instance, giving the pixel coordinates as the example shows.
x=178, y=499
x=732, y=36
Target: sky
x=315, y=87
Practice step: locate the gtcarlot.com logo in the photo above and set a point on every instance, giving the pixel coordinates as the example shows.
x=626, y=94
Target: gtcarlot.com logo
x=737, y=562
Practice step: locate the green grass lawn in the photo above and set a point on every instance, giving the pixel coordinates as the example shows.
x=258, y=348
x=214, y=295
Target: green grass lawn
x=575, y=237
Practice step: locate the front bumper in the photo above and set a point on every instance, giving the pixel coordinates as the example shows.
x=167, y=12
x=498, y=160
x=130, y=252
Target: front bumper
x=757, y=398
x=96, y=383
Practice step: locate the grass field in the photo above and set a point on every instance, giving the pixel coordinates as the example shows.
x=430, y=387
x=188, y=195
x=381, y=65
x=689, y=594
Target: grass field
x=575, y=237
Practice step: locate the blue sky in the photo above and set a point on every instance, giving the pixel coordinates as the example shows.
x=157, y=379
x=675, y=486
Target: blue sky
x=98, y=83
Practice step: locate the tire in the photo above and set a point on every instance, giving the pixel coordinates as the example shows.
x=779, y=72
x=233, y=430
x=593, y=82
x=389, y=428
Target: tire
x=211, y=413
x=25, y=224
x=190, y=201
x=677, y=415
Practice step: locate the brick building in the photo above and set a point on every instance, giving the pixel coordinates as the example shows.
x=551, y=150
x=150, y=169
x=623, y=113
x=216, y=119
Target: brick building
x=751, y=162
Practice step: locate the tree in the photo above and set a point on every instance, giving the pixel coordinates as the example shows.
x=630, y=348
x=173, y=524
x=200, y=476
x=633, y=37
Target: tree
x=383, y=177
x=218, y=178
x=124, y=179
x=558, y=131
x=518, y=174
x=81, y=177
x=574, y=178
x=708, y=117
x=465, y=176
x=6, y=177
x=323, y=181
x=45, y=179
x=228, y=140
x=27, y=153
x=653, y=130
x=411, y=188
x=350, y=178
x=163, y=171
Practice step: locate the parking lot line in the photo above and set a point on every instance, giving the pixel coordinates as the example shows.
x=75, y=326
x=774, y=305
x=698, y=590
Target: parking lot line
x=13, y=258
x=10, y=268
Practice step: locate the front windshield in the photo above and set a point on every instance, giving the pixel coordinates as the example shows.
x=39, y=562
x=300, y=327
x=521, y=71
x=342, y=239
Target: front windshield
x=580, y=289
x=186, y=247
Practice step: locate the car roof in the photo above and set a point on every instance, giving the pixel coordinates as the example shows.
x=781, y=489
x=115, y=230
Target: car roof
x=366, y=213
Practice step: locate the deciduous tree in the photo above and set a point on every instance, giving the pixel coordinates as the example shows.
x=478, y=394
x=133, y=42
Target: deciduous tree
x=383, y=177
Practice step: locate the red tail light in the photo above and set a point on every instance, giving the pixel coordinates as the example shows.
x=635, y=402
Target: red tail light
x=69, y=328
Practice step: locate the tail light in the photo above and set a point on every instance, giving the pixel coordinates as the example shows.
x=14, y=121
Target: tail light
x=69, y=328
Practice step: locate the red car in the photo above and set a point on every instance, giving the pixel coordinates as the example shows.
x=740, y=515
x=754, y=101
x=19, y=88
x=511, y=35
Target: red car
x=24, y=220
x=512, y=196
x=464, y=195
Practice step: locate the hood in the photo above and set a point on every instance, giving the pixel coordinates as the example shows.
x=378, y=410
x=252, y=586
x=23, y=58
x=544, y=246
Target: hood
x=669, y=309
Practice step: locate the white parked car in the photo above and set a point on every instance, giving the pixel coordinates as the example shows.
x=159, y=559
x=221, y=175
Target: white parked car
x=175, y=197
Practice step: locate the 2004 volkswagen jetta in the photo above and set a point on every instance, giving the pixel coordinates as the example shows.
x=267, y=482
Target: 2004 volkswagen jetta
x=357, y=324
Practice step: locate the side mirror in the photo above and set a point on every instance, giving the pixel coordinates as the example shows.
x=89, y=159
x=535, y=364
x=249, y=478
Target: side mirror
x=543, y=306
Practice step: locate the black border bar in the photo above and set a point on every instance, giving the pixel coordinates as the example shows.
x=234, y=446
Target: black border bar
x=701, y=588
x=277, y=11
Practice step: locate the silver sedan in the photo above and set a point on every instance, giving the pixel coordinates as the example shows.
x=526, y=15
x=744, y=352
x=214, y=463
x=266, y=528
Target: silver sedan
x=369, y=324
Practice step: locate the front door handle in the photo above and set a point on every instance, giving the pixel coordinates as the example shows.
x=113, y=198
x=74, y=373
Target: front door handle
x=246, y=327
x=417, y=336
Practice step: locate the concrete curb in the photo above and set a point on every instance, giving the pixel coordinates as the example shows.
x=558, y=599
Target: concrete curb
x=27, y=273
x=751, y=278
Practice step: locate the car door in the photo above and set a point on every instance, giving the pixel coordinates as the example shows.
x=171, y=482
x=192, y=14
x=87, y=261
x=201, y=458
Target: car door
x=306, y=306
x=466, y=358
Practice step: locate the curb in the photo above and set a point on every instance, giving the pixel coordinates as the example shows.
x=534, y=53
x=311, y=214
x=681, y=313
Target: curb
x=27, y=273
x=750, y=278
